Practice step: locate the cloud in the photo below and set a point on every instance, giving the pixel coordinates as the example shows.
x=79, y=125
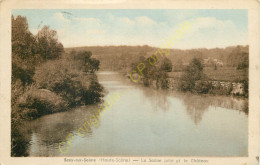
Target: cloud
x=111, y=17
x=144, y=20
x=60, y=17
x=212, y=22
x=210, y=32
x=96, y=31
x=206, y=32
x=88, y=20
x=126, y=21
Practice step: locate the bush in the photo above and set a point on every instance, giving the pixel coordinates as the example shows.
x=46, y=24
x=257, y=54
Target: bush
x=243, y=64
x=220, y=90
x=202, y=87
x=94, y=93
x=37, y=102
x=18, y=141
x=21, y=70
x=245, y=82
x=161, y=79
x=74, y=86
x=166, y=65
x=146, y=82
x=193, y=73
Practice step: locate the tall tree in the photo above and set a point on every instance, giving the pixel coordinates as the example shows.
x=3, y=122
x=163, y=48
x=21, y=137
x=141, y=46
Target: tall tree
x=166, y=65
x=48, y=45
x=193, y=73
x=23, y=41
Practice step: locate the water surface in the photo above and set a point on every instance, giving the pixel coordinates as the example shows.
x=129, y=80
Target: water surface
x=146, y=122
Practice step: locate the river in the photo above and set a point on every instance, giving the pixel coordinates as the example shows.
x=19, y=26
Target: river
x=146, y=122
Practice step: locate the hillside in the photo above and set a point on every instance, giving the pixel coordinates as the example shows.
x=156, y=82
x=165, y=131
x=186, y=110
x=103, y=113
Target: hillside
x=121, y=58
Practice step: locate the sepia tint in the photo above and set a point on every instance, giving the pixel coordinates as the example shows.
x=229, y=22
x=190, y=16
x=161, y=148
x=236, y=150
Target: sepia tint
x=148, y=82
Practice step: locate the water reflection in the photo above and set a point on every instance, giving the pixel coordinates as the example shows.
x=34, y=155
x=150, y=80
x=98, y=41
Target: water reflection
x=158, y=98
x=147, y=122
x=196, y=105
x=48, y=131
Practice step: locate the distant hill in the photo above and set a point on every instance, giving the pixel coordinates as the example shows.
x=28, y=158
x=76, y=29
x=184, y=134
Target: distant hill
x=122, y=57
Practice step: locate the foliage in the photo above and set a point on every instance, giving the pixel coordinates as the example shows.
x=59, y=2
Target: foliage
x=193, y=73
x=166, y=65
x=18, y=142
x=157, y=72
x=221, y=90
x=243, y=64
x=202, y=87
x=84, y=61
x=23, y=41
x=237, y=57
x=94, y=93
x=73, y=85
x=38, y=102
x=43, y=81
x=47, y=44
x=120, y=58
x=23, y=70
x=161, y=79
x=29, y=51
x=245, y=82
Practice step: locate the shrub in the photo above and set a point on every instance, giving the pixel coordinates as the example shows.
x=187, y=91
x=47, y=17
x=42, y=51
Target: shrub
x=18, y=141
x=161, y=79
x=202, y=87
x=146, y=82
x=37, y=102
x=166, y=65
x=193, y=73
x=74, y=86
x=245, y=82
x=220, y=90
x=94, y=93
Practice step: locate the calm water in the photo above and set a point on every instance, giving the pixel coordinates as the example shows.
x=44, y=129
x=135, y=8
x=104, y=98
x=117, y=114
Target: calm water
x=146, y=122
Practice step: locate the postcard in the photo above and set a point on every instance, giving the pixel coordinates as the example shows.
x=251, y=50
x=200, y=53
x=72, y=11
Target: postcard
x=130, y=82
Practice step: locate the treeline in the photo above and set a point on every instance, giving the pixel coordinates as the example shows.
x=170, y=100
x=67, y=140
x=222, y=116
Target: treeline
x=193, y=78
x=121, y=57
x=155, y=71
x=45, y=79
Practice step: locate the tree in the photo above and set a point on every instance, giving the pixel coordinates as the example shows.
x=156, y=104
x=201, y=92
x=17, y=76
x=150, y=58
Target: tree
x=94, y=65
x=84, y=61
x=238, y=57
x=243, y=63
x=166, y=65
x=48, y=45
x=193, y=73
x=23, y=51
x=23, y=41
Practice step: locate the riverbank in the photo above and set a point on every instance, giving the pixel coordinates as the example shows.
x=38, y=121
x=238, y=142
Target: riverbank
x=227, y=88
x=193, y=78
x=58, y=85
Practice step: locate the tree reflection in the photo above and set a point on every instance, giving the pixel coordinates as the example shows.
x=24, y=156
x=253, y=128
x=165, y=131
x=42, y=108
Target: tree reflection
x=158, y=98
x=48, y=131
x=197, y=105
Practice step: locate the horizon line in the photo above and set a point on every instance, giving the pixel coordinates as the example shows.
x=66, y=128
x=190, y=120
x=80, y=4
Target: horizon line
x=156, y=47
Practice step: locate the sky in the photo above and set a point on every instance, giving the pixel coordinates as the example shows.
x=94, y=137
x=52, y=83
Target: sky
x=103, y=27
